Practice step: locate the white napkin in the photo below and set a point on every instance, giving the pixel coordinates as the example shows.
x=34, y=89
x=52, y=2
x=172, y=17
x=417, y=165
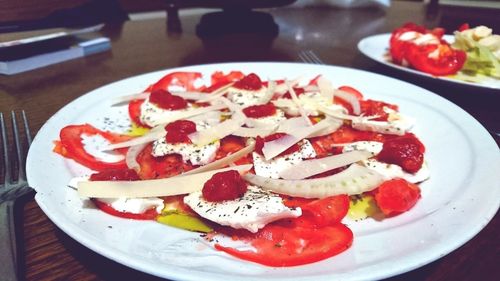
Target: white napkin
x=342, y=3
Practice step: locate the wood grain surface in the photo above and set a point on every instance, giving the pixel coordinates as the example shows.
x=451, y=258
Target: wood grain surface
x=144, y=46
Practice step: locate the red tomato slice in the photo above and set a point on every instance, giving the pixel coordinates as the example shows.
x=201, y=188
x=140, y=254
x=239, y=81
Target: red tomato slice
x=70, y=146
x=183, y=79
x=219, y=79
x=160, y=167
x=447, y=61
x=396, y=196
x=134, y=111
x=376, y=108
x=318, y=213
x=283, y=246
x=344, y=103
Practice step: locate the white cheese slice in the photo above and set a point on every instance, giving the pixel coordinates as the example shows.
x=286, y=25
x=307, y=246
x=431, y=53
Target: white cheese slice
x=396, y=124
x=247, y=98
x=251, y=212
x=267, y=121
x=197, y=155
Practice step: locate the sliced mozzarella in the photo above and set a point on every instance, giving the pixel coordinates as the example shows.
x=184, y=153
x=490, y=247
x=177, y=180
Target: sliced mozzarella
x=251, y=212
x=150, y=188
x=313, y=167
x=374, y=147
x=247, y=98
x=266, y=121
x=274, y=167
x=134, y=205
x=354, y=180
x=196, y=154
x=152, y=115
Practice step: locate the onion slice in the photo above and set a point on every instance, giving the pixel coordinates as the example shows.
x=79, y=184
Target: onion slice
x=326, y=89
x=153, y=134
x=254, y=132
x=217, y=93
x=223, y=161
x=351, y=99
x=131, y=156
x=313, y=167
x=354, y=180
x=128, y=98
x=297, y=102
x=273, y=148
x=150, y=188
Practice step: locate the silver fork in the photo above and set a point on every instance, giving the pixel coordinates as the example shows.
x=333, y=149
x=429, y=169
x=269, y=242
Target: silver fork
x=308, y=56
x=10, y=190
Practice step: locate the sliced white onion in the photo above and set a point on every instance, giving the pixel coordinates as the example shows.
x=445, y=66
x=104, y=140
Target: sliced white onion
x=281, y=89
x=271, y=86
x=340, y=114
x=131, y=156
x=297, y=103
x=178, y=115
x=178, y=185
x=354, y=180
x=313, y=167
x=351, y=99
x=273, y=148
x=153, y=134
x=311, y=88
x=128, y=98
x=254, y=132
x=228, y=160
x=217, y=132
x=326, y=89
x=190, y=95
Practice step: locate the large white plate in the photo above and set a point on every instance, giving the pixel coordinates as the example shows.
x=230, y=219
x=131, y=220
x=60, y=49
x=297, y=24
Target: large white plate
x=461, y=197
x=376, y=47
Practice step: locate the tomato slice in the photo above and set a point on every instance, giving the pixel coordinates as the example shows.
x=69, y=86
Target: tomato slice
x=160, y=167
x=436, y=59
x=219, y=79
x=283, y=246
x=71, y=146
x=396, y=196
x=317, y=213
x=183, y=79
x=134, y=111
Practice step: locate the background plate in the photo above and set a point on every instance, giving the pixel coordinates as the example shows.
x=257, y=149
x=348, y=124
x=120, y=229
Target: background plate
x=461, y=197
x=376, y=47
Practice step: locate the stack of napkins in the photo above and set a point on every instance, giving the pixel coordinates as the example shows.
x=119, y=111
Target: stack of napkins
x=30, y=53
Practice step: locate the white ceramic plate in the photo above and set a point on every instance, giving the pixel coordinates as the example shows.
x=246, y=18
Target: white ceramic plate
x=376, y=47
x=457, y=202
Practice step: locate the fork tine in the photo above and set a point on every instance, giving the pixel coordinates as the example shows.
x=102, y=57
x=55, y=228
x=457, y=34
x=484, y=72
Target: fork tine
x=26, y=128
x=19, y=148
x=315, y=58
x=6, y=162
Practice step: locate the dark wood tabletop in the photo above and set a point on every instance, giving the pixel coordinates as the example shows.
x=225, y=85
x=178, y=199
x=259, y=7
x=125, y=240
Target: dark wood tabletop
x=149, y=45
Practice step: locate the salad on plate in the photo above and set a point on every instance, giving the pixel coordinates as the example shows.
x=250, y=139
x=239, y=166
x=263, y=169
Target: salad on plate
x=472, y=54
x=267, y=171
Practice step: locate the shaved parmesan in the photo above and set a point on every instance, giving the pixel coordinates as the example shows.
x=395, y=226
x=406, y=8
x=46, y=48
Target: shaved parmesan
x=217, y=132
x=326, y=89
x=275, y=147
x=150, y=188
x=217, y=93
x=230, y=159
x=313, y=167
x=354, y=180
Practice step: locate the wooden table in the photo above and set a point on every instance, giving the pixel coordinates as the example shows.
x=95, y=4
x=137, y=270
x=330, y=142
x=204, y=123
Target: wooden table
x=144, y=46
